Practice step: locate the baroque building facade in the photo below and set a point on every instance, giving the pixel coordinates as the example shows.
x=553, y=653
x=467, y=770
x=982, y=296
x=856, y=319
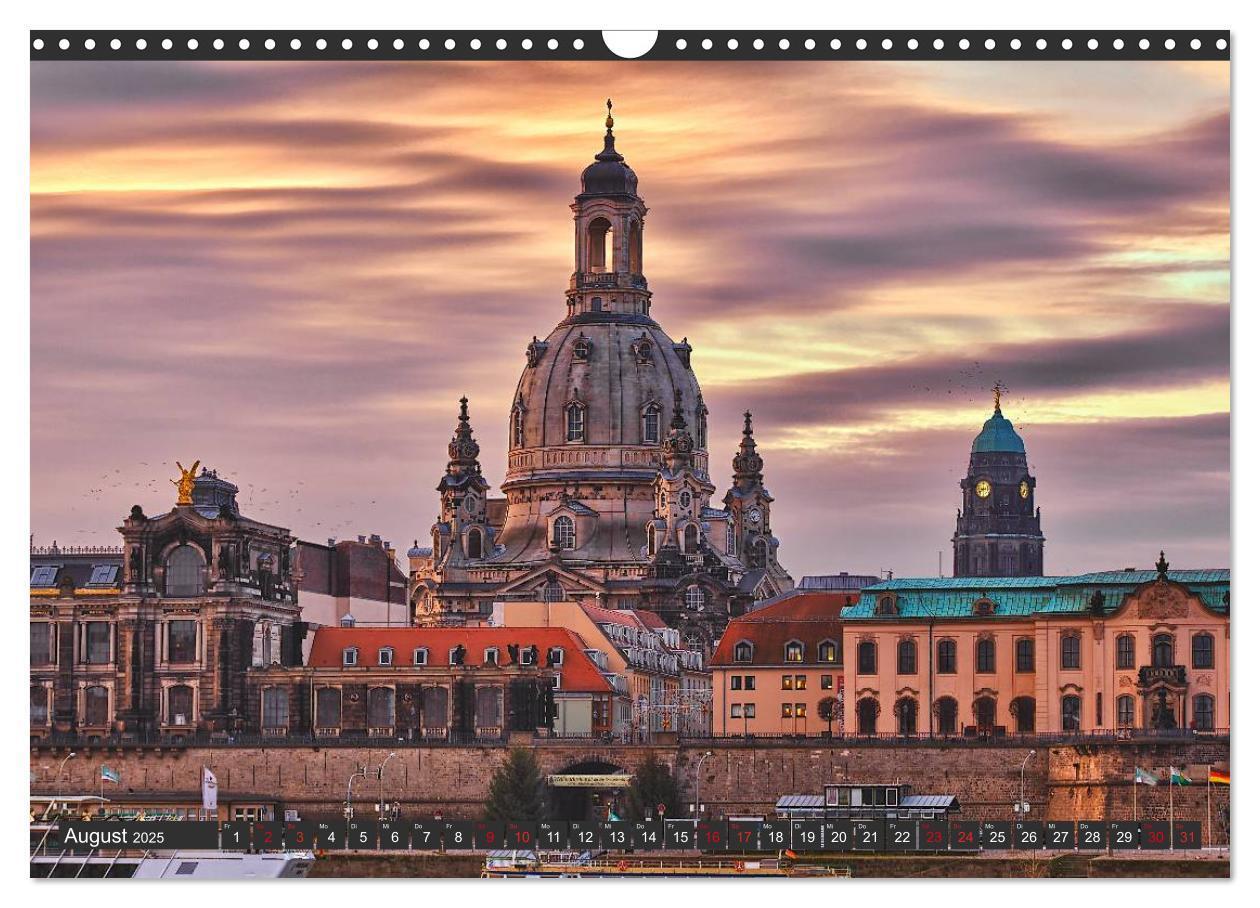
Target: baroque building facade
x=155, y=638
x=998, y=532
x=608, y=493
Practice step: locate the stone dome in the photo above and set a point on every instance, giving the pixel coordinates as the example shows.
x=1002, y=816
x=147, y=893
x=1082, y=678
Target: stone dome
x=610, y=174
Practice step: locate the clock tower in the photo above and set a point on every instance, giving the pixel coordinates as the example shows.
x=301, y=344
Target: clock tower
x=998, y=533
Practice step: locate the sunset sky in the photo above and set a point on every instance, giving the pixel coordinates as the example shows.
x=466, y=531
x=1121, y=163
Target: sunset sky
x=293, y=271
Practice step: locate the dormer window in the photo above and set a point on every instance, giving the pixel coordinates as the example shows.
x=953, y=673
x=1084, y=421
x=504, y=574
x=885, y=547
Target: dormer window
x=420, y=656
x=564, y=533
x=350, y=656
x=528, y=655
x=828, y=651
x=743, y=651
x=886, y=605
x=555, y=655
x=103, y=575
x=491, y=656
x=44, y=575
x=385, y=656
x=983, y=606
x=794, y=651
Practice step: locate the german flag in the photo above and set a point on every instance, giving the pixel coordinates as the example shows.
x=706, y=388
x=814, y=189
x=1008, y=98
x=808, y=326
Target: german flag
x=1216, y=777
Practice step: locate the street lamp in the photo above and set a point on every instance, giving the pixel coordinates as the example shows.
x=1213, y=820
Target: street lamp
x=360, y=773
x=380, y=775
x=1021, y=809
x=57, y=777
x=700, y=763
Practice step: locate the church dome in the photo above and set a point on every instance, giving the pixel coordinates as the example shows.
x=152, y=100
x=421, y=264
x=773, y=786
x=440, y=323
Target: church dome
x=998, y=436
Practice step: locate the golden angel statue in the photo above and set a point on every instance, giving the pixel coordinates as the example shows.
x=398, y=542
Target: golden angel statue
x=185, y=482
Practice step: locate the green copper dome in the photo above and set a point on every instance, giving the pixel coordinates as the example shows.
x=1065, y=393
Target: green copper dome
x=998, y=437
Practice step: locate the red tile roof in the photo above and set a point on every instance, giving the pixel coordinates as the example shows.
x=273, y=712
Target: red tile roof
x=808, y=617
x=651, y=619
x=578, y=673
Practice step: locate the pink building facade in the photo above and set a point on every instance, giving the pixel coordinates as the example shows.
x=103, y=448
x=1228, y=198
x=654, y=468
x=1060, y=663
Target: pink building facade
x=1121, y=651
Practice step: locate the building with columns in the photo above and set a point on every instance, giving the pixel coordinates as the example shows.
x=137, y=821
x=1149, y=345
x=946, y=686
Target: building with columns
x=1114, y=651
x=608, y=493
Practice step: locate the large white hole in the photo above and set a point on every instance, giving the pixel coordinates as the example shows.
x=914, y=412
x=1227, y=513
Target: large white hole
x=629, y=44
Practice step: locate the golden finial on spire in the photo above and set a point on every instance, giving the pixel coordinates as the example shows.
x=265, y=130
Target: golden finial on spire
x=608, y=123
x=997, y=396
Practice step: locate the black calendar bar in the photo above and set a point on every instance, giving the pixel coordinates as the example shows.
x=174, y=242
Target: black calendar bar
x=707, y=835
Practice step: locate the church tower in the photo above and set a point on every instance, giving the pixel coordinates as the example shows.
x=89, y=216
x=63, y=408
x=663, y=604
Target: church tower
x=999, y=525
x=462, y=533
x=748, y=502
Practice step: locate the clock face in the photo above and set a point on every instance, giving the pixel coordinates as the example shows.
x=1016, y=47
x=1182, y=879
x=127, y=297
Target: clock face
x=754, y=515
x=983, y=489
x=1024, y=490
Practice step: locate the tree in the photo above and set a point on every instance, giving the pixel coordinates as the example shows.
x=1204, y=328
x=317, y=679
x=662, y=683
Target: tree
x=829, y=711
x=653, y=784
x=516, y=788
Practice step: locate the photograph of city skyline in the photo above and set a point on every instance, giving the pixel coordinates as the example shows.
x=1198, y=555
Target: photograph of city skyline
x=581, y=468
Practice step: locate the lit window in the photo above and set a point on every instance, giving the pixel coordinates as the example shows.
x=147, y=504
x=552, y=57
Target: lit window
x=828, y=651
x=794, y=652
x=564, y=533
x=800, y=682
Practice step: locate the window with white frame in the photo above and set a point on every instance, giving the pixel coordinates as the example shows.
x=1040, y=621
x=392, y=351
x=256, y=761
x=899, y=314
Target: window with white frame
x=350, y=656
x=575, y=422
x=385, y=656
x=420, y=656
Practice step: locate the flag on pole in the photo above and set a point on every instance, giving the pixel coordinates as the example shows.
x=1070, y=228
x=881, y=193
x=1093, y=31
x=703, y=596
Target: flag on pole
x=209, y=790
x=1143, y=777
x=109, y=775
x=1216, y=777
x=1177, y=777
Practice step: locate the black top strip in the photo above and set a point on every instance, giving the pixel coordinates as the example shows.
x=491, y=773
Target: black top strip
x=395, y=44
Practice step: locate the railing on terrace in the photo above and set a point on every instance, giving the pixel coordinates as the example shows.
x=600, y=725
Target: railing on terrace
x=495, y=735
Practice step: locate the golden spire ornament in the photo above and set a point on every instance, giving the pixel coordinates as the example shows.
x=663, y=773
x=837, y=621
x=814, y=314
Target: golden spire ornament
x=608, y=123
x=997, y=396
x=185, y=482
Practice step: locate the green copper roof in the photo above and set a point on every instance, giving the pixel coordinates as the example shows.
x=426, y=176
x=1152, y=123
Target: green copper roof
x=954, y=597
x=997, y=436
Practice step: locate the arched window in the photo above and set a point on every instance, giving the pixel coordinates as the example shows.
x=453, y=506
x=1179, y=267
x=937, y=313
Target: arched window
x=1126, y=652
x=866, y=657
x=381, y=707
x=757, y=557
x=985, y=709
x=184, y=572
x=947, y=716
x=867, y=712
x=96, y=705
x=564, y=533
x=794, y=651
x=907, y=658
x=275, y=707
x=518, y=427
x=702, y=428
x=730, y=538
x=907, y=709
x=179, y=705
x=575, y=422
x=651, y=540
x=1024, y=709
x=947, y=657
x=328, y=707
x=828, y=651
x=886, y=605
x=1203, y=651
x=39, y=704
x=636, y=248
x=743, y=651
x=652, y=424
x=986, y=656
x=1162, y=651
x=599, y=245
x=1070, y=708
x=691, y=539
x=1025, y=655
x=1070, y=651
x=474, y=543
x=1125, y=711
x=553, y=592
x=1204, y=713
x=695, y=598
